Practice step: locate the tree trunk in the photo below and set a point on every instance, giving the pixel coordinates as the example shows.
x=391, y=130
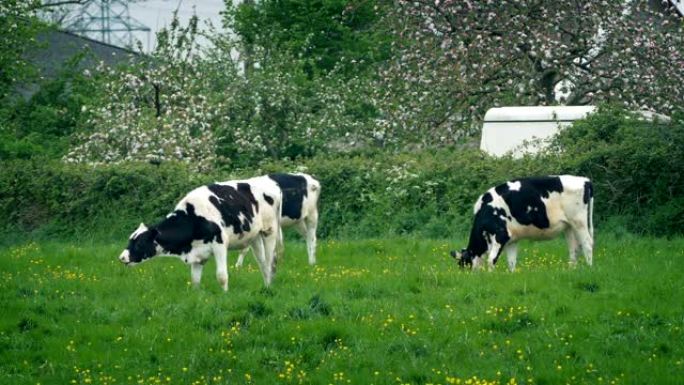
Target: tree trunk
x=248, y=49
x=547, y=84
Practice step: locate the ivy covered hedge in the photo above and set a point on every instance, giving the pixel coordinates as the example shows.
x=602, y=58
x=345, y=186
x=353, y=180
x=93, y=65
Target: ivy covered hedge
x=54, y=198
x=637, y=166
x=637, y=169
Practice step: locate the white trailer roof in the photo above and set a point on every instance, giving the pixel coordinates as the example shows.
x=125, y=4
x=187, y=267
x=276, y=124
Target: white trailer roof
x=538, y=114
x=520, y=130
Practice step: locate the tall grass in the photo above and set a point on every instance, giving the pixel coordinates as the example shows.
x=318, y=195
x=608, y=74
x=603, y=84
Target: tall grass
x=380, y=311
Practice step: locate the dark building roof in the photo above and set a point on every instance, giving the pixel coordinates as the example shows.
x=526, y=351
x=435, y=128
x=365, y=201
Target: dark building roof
x=56, y=48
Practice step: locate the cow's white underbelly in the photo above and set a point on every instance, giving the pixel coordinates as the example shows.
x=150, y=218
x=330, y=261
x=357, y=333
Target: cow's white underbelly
x=517, y=231
x=237, y=243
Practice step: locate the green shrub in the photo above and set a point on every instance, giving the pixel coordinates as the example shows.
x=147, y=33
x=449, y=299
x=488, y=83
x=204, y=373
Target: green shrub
x=430, y=193
x=76, y=200
x=41, y=126
x=635, y=167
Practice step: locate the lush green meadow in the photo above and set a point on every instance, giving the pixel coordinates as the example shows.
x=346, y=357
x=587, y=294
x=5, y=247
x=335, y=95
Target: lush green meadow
x=382, y=311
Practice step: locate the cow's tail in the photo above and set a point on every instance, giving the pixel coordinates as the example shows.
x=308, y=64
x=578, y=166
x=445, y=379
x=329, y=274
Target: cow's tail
x=314, y=188
x=280, y=242
x=589, y=196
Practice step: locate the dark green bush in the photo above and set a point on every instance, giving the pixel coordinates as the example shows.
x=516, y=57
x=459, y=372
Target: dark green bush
x=430, y=193
x=41, y=126
x=636, y=168
x=53, y=198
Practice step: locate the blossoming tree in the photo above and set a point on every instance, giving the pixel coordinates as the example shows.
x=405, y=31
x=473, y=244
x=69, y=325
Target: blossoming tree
x=459, y=58
x=154, y=110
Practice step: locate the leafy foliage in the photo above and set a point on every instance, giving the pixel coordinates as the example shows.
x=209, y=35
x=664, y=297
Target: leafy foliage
x=197, y=106
x=19, y=27
x=636, y=164
x=297, y=79
x=72, y=199
x=321, y=86
x=322, y=34
x=41, y=127
x=634, y=167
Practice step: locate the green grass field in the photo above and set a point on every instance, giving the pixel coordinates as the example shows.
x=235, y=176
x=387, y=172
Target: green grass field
x=386, y=311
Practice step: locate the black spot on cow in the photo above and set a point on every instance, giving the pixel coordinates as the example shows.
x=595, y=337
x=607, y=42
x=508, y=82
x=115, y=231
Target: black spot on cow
x=268, y=199
x=231, y=203
x=246, y=190
x=294, y=189
x=486, y=198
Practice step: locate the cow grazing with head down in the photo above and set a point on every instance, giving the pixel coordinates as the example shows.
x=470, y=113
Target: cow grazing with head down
x=210, y=220
x=530, y=208
x=300, y=208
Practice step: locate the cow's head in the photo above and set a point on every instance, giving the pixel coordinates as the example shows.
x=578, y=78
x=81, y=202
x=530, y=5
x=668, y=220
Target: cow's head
x=142, y=246
x=466, y=258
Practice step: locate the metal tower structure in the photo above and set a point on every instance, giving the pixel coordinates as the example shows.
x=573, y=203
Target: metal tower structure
x=105, y=20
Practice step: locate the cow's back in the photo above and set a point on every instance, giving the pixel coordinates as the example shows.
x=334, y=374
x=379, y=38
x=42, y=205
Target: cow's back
x=541, y=207
x=242, y=208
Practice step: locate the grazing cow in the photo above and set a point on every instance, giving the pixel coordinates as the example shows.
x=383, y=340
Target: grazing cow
x=531, y=208
x=210, y=220
x=300, y=209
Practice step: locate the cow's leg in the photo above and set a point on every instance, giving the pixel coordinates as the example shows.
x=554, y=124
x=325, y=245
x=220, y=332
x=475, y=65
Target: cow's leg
x=587, y=242
x=196, y=273
x=259, y=255
x=572, y=245
x=511, y=255
x=241, y=257
x=311, y=224
x=494, y=252
x=269, y=242
x=280, y=245
x=220, y=251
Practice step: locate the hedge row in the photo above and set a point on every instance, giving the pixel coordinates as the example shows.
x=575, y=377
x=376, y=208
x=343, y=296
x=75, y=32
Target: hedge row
x=637, y=170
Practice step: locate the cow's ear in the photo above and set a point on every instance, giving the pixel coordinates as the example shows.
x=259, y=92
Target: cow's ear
x=455, y=254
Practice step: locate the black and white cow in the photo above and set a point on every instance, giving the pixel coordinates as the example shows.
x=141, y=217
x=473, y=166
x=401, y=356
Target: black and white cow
x=531, y=208
x=210, y=220
x=300, y=208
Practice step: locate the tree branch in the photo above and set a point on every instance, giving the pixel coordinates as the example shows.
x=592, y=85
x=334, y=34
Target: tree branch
x=58, y=4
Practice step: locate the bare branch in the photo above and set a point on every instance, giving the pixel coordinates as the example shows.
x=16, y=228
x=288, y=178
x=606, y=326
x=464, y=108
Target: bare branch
x=58, y=4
